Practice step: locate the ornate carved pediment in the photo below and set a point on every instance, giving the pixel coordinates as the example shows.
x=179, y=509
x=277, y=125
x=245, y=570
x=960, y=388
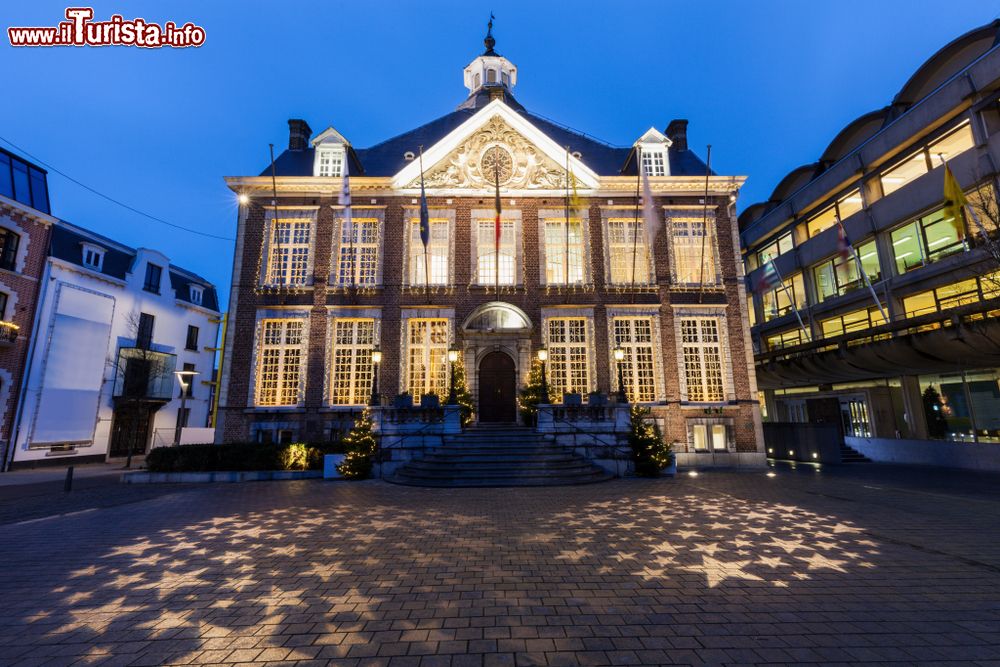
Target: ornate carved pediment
x=496, y=149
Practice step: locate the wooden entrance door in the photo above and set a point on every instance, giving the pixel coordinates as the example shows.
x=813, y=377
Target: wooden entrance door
x=130, y=430
x=497, y=388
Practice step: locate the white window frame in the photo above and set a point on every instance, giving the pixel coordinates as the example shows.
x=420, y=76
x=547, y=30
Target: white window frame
x=329, y=162
x=703, y=397
x=357, y=368
x=654, y=160
x=413, y=259
x=296, y=252
x=565, y=356
x=711, y=427
x=552, y=258
x=688, y=226
x=431, y=354
x=286, y=352
x=363, y=219
x=626, y=220
x=510, y=245
x=94, y=252
x=629, y=371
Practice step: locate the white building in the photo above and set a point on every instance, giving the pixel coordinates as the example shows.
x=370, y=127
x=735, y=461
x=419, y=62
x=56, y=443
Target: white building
x=113, y=325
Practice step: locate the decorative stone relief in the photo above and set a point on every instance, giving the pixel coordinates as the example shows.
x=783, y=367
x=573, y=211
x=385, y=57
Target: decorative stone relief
x=496, y=149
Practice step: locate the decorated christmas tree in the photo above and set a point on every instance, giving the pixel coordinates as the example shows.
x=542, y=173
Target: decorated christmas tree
x=361, y=446
x=649, y=452
x=531, y=395
x=462, y=393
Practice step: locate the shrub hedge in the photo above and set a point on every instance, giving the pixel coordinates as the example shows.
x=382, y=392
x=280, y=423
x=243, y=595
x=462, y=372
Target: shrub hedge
x=239, y=457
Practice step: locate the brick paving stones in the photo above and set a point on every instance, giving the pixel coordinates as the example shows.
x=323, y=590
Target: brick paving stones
x=869, y=564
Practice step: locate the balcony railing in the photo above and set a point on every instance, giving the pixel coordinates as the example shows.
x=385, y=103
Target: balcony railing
x=144, y=375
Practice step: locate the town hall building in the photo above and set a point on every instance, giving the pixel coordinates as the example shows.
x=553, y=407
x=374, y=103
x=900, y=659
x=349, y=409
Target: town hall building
x=317, y=293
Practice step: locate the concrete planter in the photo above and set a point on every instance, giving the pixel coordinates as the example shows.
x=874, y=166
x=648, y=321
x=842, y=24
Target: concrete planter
x=211, y=477
x=330, y=463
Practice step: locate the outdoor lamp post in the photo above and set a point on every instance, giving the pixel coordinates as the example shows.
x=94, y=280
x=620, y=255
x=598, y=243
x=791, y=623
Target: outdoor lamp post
x=376, y=360
x=452, y=358
x=184, y=378
x=543, y=356
x=619, y=353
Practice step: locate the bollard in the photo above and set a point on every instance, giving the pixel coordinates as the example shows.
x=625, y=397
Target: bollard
x=68, y=486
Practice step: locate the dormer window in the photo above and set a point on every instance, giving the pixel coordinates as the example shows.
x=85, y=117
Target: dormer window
x=491, y=76
x=329, y=163
x=197, y=292
x=653, y=162
x=153, y=275
x=93, y=257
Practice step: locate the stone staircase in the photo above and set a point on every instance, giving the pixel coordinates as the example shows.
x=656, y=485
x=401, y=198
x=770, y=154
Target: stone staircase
x=498, y=456
x=851, y=455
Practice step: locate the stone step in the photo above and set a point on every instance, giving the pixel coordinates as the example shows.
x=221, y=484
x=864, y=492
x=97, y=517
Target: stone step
x=513, y=468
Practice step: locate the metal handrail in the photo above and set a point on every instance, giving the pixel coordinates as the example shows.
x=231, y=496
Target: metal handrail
x=400, y=439
x=615, y=446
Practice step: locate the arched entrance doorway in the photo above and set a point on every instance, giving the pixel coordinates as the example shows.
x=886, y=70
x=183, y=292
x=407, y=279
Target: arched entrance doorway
x=497, y=388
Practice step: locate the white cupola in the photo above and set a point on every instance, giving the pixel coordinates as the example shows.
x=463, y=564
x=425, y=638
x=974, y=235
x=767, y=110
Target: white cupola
x=490, y=70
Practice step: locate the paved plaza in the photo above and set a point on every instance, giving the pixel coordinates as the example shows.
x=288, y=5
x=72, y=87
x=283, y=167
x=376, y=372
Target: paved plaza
x=841, y=565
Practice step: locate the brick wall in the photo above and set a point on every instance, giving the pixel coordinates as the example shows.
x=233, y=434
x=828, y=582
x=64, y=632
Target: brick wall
x=464, y=298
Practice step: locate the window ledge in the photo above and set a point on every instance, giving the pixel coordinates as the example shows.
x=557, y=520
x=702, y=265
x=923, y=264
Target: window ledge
x=278, y=409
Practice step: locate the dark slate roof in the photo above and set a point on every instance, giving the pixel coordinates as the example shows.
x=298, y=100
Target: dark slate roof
x=118, y=259
x=386, y=158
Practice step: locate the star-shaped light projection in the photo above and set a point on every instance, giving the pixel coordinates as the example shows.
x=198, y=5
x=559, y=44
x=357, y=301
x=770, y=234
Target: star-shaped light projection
x=718, y=571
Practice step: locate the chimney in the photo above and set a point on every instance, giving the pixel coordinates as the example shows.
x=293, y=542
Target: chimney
x=677, y=132
x=298, y=134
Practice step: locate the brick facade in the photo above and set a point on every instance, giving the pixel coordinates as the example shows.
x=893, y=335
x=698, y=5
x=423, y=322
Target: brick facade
x=313, y=419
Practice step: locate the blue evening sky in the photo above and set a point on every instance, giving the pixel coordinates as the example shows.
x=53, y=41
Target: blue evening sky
x=767, y=83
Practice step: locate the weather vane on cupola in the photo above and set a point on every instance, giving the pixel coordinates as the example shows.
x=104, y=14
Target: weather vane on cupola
x=489, y=41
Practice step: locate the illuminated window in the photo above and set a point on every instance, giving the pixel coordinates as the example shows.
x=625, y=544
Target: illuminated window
x=635, y=336
x=929, y=157
x=629, y=258
x=839, y=275
x=702, y=347
x=778, y=301
x=279, y=362
x=855, y=321
x=427, y=358
x=353, y=342
x=331, y=163
x=358, y=254
x=843, y=208
x=693, y=248
x=775, y=249
x=957, y=294
x=562, y=242
x=436, y=255
x=488, y=257
x=569, y=364
x=709, y=437
x=653, y=162
x=926, y=240
x=289, y=246
x=789, y=338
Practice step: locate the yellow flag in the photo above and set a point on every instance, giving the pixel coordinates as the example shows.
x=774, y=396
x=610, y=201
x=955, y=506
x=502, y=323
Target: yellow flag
x=574, y=200
x=954, y=201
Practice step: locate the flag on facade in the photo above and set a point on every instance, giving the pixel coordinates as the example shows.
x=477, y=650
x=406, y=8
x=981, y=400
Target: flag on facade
x=496, y=219
x=345, y=200
x=954, y=200
x=650, y=220
x=769, y=279
x=425, y=217
x=843, y=245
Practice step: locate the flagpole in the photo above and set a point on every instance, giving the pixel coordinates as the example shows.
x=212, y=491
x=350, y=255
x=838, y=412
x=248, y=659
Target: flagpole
x=635, y=230
x=704, y=237
x=497, y=226
x=423, y=203
x=274, y=205
x=791, y=299
x=861, y=270
x=566, y=259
